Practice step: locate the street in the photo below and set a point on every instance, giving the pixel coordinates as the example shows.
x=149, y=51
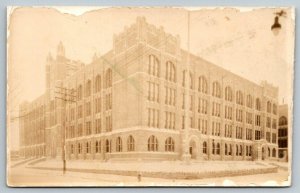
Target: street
x=22, y=176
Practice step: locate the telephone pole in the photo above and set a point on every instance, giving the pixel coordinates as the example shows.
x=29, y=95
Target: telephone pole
x=67, y=96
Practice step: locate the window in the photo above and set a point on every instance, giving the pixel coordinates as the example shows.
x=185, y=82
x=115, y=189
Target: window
x=249, y=101
x=239, y=98
x=249, y=118
x=274, y=139
x=257, y=104
x=202, y=85
x=228, y=94
x=248, y=134
x=79, y=111
x=216, y=109
x=88, y=147
x=228, y=130
x=282, y=121
x=98, y=125
x=153, y=92
x=169, y=120
x=119, y=144
x=98, y=105
x=153, y=66
x=88, y=88
x=241, y=150
x=202, y=106
x=108, y=78
x=257, y=120
x=130, y=143
x=169, y=144
x=274, y=152
x=274, y=109
x=239, y=115
x=268, y=123
x=274, y=124
x=108, y=101
x=153, y=118
x=79, y=148
x=108, y=123
x=218, y=149
x=170, y=96
x=228, y=112
x=216, y=128
x=268, y=136
x=72, y=149
x=190, y=80
x=88, y=128
x=88, y=110
x=79, y=130
x=98, y=83
x=170, y=72
x=216, y=92
x=108, y=146
x=204, y=147
x=226, y=150
x=152, y=143
x=98, y=146
x=202, y=126
x=79, y=92
x=239, y=132
x=237, y=150
x=269, y=106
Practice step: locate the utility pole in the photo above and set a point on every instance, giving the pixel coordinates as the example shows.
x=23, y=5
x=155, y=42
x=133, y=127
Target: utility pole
x=66, y=95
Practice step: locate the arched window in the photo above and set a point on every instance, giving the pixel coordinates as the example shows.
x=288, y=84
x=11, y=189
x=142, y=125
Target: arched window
x=98, y=146
x=130, y=143
x=274, y=152
x=119, y=144
x=269, y=106
x=257, y=104
x=88, y=87
x=228, y=94
x=79, y=92
x=218, y=148
x=98, y=83
x=213, y=147
x=274, y=109
x=216, y=92
x=108, y=78
x=250, y=151
x=169, y=144
x=236, y=150
x=241, y=150
x=153, y=66
x=204, y=147
x=152, y=143
x=230, y=149
x=249, y=101
x=226, y=150
x=88, y=147
x=170, y=71
x=282, y=121
x=202, y=85
x=269, y=152
x=79, y=148
x=239, y=98
x=247, y=150
x=108, y=146
x=190, y=79
x=72, y=149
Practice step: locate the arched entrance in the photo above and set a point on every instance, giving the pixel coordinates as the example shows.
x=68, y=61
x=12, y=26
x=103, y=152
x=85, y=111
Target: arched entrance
x=263, y=153
x=193, y=149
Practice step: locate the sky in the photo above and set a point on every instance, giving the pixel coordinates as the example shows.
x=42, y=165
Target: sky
x=239, y=40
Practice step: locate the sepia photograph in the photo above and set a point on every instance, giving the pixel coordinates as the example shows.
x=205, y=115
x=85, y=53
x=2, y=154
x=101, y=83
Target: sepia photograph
x=149, y=96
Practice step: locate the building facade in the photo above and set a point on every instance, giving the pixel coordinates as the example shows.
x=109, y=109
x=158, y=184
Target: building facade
x=149, y=99
x=283, y=132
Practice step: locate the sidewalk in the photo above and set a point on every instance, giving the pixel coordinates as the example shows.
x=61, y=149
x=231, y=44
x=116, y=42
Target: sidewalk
x=163, y=169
